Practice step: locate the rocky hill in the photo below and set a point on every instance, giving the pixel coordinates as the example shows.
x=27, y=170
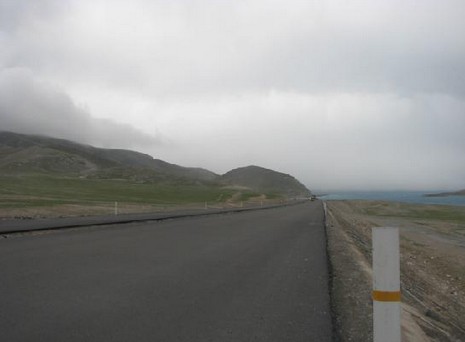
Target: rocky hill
x=21, y=153
x=264, y=180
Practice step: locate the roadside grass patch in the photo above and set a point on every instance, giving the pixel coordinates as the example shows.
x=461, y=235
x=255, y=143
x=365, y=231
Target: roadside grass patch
x=43, y=190
x=416, y=211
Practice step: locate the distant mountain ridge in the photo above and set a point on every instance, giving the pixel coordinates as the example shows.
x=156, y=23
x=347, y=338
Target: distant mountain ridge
x=21, y=153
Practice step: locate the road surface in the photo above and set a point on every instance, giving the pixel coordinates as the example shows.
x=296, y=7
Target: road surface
x=11, y=226
x=249, y=276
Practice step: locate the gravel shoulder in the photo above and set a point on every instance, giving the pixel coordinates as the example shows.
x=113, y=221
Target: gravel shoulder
x=432, y=268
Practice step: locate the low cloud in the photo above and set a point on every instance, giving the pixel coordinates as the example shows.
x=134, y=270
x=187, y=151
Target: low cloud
x=30, y=106
x=330, y=142
x=344, y=95
x=173, y=49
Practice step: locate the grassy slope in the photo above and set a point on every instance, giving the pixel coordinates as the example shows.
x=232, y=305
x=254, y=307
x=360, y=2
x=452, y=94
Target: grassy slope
x=42, y=190
x=38, y=171
x=415, y=211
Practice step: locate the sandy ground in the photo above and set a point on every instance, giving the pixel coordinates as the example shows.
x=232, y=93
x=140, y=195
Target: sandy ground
x=432, y=272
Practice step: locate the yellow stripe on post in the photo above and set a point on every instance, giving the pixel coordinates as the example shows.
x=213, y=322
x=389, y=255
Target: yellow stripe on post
x=386, y=296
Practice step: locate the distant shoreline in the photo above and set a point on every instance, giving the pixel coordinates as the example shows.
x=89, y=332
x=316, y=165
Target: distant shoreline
x=446, y=194
x=418, y=197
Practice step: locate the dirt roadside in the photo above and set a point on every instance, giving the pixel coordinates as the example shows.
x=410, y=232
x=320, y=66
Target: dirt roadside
x=108, y=208
x=432, y=272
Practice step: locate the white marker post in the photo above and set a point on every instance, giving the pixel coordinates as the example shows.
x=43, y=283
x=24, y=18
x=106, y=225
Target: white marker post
x=386, y=285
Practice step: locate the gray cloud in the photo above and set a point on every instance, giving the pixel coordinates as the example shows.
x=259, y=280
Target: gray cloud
x=202, y=48
x=365, y=94
x=329, y=141
x=30, y=106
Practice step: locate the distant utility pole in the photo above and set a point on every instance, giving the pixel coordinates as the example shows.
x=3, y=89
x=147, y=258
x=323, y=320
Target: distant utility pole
x=386, y=285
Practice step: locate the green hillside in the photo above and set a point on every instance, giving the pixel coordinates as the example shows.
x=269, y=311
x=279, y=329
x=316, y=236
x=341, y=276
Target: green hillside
x=39, y=172
x=21, y=153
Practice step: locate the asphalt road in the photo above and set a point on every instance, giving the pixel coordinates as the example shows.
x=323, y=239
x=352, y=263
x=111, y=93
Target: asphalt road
x=12, y=226
x=249, y=276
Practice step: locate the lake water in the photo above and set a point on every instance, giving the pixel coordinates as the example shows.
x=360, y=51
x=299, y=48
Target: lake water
x=395, y=196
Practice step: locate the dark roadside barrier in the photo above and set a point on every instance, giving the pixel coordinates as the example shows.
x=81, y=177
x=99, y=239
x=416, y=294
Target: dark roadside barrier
x=33, y=225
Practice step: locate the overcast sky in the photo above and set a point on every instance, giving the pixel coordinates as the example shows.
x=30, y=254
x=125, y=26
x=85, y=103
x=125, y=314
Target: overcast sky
x=341, y=94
